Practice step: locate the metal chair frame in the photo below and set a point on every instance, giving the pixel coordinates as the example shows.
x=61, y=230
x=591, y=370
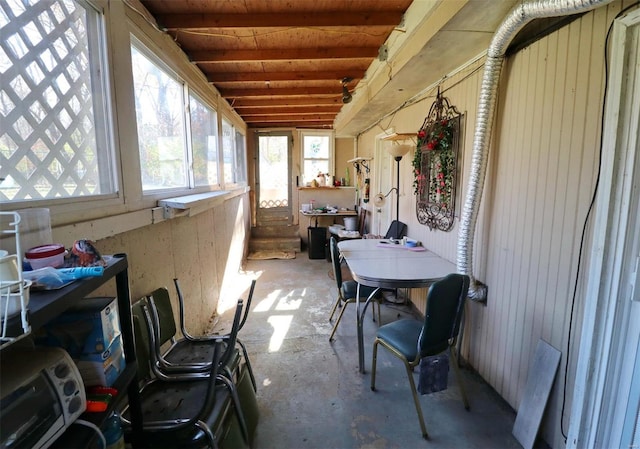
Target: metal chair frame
x=341, y=299
x=201, y=339
x=209, y=383
x=434, y=348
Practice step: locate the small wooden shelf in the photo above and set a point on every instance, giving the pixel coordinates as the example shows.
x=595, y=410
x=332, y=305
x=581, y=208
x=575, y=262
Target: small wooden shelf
x=400, y=136
x=355, y=160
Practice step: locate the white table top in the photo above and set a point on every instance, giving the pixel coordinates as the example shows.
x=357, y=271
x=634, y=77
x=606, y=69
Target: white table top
x=389, y=265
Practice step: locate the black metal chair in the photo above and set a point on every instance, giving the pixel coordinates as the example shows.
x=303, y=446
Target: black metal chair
x=412, y=340
x=187, y=358
x=195, y=342
x=184, y=411
x=347, y=290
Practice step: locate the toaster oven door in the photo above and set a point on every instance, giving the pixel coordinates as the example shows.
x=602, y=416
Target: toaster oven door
x=30, y=416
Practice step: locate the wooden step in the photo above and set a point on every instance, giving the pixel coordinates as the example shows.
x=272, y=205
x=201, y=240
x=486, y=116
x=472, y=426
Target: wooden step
x=274, y=244
x=275, y=231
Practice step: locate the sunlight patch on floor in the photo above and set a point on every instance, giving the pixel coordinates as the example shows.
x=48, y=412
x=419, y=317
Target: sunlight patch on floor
x=281, y=325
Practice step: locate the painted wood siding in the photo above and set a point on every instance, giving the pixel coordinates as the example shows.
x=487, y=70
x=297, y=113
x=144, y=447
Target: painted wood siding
x=540, y=180
x=543, y=170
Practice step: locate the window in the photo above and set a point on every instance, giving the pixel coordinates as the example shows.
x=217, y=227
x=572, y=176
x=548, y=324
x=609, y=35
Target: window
x=55, y=134
x=204, y=142
x=317, y=154
x=233, y=154
x=161, y=125
x=240, y=164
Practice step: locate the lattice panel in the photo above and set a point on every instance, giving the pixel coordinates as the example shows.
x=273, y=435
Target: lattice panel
x=268, y=204
x=48, y=145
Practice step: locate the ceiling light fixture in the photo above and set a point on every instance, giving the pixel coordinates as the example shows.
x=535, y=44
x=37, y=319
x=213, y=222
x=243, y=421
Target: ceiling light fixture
x=346, y=95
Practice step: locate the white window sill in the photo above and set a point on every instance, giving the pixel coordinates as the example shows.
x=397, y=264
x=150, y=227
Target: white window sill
x=190, y=205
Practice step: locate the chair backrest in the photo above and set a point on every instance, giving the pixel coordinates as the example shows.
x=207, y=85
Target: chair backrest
x=232, y=336
x=362, y=218
x=142, y=342
x=445, y=304
x=247, y=305
x=181, y=303
x=335, y=261
x=166, y=319
x=397, y=230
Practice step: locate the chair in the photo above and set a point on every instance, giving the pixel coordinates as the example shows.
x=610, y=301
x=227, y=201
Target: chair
x=347, y=289
x=412, y=340
x=395, y=228
x=203, y=339
x=188, y=411
x=188, y=354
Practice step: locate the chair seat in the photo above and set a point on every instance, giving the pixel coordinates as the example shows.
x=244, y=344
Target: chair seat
x=181, y=401
x=187, y=352
x=349, y=290
x=403, y=336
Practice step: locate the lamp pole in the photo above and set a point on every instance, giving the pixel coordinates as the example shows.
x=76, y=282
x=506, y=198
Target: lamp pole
x=397, y=151
x=398, y=159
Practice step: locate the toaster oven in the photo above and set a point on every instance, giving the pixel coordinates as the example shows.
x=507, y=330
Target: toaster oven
x=41, y=394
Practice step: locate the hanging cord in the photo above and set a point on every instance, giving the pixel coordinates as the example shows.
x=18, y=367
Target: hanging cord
x=95, y=428
x=586, y=219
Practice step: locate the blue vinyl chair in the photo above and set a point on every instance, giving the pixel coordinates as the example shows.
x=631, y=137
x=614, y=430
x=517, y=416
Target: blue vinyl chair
x=413, y=340
x=346, y=289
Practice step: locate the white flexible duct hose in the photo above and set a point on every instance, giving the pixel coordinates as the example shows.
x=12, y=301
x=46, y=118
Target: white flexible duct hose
x=517, y=18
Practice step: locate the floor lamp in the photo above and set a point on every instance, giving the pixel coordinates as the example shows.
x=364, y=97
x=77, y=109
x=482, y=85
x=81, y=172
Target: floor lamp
x=397, y=151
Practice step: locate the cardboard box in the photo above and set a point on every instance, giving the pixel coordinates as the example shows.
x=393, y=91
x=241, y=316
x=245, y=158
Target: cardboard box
x=89, y=327
x=104, y=368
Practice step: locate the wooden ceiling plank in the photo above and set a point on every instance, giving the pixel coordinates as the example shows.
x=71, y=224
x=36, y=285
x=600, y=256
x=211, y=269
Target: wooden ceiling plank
x=301, y=109
x=283, y=91
x=235, y=77
x=281, y=19
x=307, y=125
x=289, y=116
x=222, y=56
x=246, y=103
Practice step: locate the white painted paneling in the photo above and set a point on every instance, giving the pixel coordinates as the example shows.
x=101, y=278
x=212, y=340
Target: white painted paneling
x=540, y=179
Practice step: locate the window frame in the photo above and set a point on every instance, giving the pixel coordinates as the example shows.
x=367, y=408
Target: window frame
x=98, y=26
x=332, y=150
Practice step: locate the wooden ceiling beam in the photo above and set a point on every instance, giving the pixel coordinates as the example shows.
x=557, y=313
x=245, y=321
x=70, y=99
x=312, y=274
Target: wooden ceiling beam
x=285, y=54
x=247, y=103
x=284, y=20
x=318, y=125
x=302, y=109
x=282, y=91
x=252, y=77
x=289, y=118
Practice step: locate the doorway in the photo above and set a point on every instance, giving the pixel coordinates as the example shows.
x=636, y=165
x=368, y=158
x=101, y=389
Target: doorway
x=382, y=216
x=273, y=174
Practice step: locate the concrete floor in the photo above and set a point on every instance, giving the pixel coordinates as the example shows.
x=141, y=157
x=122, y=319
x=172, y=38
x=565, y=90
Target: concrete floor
x=311, y=394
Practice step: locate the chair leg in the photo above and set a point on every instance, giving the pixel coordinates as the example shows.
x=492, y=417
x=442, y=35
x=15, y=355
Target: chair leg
x=236, y=403
x=335, y=307
x=374, y=362
x=456, y=370
x=335, y=326
x=379, y=314
x=416, y=400
x=248, y=363
x=210, y=436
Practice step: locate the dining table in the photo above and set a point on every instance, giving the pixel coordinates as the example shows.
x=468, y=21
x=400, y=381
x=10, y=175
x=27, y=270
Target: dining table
x=389, y=264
